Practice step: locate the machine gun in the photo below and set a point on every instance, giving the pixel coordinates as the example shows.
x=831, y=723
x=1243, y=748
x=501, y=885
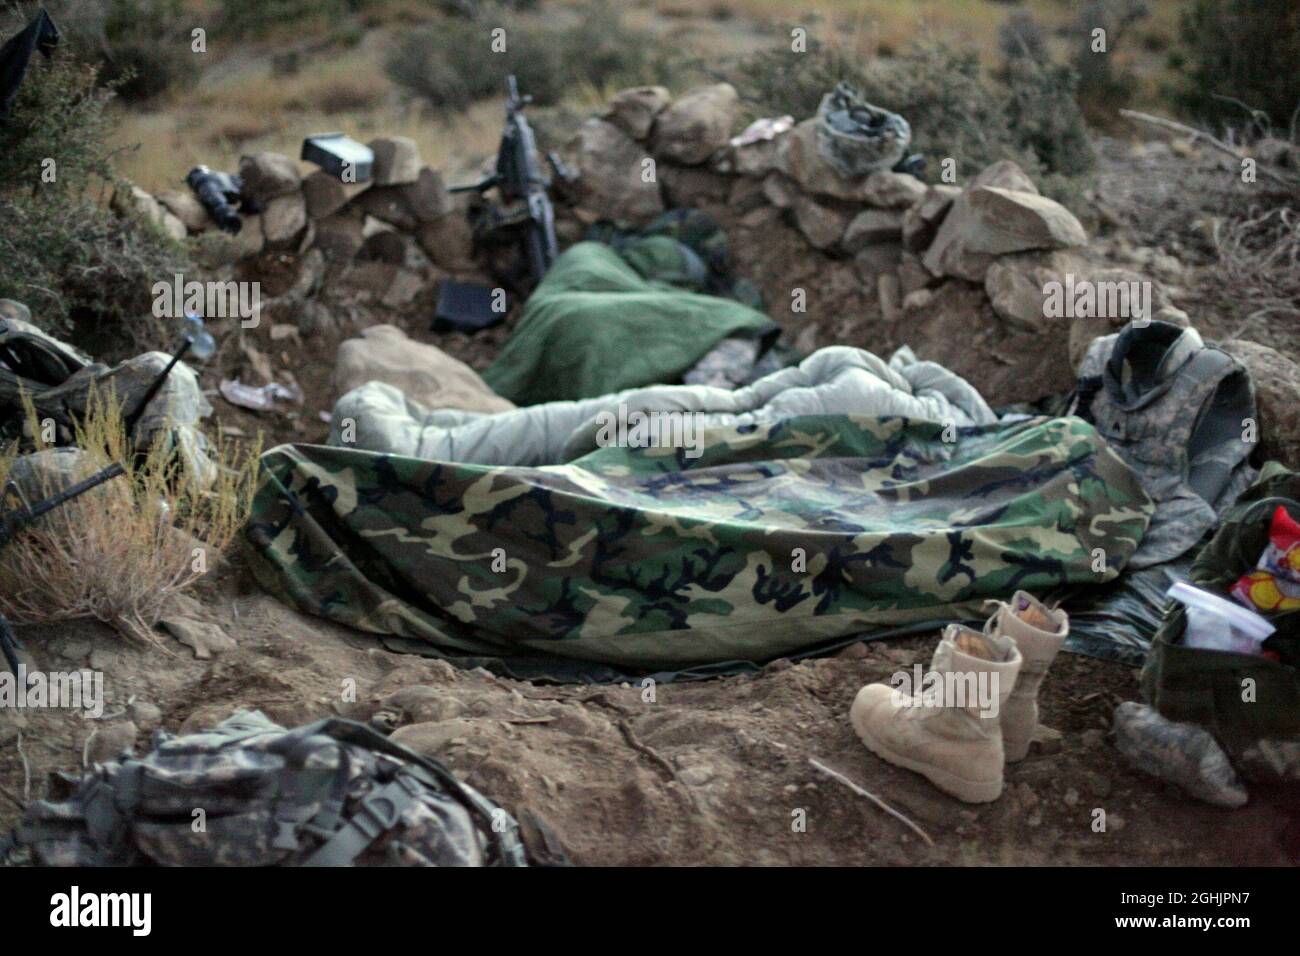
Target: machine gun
x=527, y=214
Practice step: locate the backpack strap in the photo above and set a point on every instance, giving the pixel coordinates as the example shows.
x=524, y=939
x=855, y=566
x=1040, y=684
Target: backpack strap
x=376, y=814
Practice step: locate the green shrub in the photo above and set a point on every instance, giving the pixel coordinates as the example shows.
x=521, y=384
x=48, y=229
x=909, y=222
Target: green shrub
x=64, y=255
x=451, y=64
x=1103, y=88
x=1242, y=50
x=246, y=17
x=954, y=108
x=141, y=47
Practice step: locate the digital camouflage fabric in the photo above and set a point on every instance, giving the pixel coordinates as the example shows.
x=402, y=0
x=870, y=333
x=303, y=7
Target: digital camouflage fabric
x=331, y=793
x=777, y=537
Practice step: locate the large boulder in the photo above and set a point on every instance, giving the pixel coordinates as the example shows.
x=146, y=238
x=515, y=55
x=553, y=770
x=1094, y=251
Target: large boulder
x=1004, y=174
x=397, y=160
x=1017, y=287
x=885, y=189
x=423, y=373
x=696, y=125
x=634, y=110
x=449, y=243
x=185, y=206
x=692, y=186
x=1277, y=398
x=267, y=176
x=610, y=179
x=756, y=159
x=388, y=204
x=872, y=226
x=283, y=221
x=132, y=201
x=922, y=219
x=821, y=225
x=427, y=198
x=339, y=236
x=987, y=221
x=325, y=195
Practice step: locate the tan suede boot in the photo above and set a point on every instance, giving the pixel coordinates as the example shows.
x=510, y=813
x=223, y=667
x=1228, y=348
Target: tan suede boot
x=948, y=730
x=1039, y=632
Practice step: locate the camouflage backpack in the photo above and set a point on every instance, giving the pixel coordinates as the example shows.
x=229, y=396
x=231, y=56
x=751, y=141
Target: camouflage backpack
x=250, y=793
x=1261, y=730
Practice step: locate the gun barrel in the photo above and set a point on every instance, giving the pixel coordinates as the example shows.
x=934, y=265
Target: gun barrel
x=73, y=491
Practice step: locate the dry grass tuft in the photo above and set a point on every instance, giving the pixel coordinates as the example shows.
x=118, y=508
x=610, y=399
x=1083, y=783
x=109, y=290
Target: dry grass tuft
x=119, y=552
x=1259, y=260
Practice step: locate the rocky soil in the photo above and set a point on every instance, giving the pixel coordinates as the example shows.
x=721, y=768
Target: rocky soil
x=713, y=772
x=696, y=773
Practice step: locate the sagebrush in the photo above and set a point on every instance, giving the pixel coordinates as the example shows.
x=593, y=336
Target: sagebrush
x=956, y=109
x=452, y=63
x=121, y=551
x=62, y=253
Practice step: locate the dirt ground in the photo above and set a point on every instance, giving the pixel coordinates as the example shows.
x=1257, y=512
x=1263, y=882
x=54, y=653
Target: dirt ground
x=714, y=772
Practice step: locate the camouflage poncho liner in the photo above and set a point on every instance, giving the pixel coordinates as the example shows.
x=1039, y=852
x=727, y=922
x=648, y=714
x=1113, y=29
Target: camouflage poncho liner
x=644, y=558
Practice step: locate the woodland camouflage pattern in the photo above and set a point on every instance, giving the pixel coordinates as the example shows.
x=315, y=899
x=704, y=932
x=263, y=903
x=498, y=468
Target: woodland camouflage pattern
x=644, y=558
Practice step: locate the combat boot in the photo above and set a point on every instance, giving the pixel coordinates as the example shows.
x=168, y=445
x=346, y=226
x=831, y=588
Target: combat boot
x=949, y=730
x=1039, y=632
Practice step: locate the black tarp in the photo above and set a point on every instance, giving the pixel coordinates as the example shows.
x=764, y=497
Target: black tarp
x=16, y=55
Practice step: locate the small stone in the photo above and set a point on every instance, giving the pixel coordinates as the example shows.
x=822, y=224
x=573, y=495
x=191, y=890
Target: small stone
x=821, y=225
x=1099, y=785
x=985, y=222
x=1092, y=738
x=1045, y=740
x=779, y=191
x=108, y=743
x=876, y=258
x=610, y=167
x=144, y=715
x=696, y=776
x=917, y=299
x=75, y=648
x=887, y=288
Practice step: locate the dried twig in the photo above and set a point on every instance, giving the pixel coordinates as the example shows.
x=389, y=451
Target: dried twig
x=1199, y=134
x=872, y=797
x=635, y=743
x=27, y=771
